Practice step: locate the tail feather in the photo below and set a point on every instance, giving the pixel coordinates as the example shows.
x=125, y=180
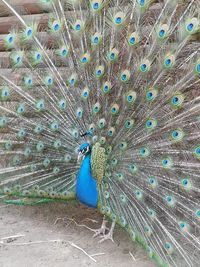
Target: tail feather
x=127, y=72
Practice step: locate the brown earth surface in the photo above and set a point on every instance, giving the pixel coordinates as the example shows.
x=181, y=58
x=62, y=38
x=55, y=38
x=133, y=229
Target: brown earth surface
x=40, y=242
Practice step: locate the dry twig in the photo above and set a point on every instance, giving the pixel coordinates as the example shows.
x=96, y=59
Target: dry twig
x=132, y=256
x=90, y=220
x=50, y=241
x=12, y=236
x=72, y=220
x=74, y=245
x=32, y=243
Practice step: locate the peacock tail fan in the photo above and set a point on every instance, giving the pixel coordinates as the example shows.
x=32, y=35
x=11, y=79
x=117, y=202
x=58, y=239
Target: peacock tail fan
x=127, y=71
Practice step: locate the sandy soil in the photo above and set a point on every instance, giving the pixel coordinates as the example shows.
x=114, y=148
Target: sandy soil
x=37, y=224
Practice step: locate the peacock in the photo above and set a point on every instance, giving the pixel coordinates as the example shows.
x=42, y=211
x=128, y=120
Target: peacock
x=100, y=102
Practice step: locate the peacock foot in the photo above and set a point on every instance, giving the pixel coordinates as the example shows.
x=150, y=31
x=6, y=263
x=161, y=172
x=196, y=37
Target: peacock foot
x=102, y=230
x=109, y=235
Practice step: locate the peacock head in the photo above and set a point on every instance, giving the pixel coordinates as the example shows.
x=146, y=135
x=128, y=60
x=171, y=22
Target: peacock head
x=84, y=150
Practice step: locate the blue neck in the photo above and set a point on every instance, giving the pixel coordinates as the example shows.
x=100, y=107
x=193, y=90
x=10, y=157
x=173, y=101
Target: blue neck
x=86, y=185
x=86, y=165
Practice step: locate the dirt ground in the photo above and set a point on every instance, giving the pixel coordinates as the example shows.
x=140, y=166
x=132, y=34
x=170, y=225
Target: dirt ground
x=40, y=242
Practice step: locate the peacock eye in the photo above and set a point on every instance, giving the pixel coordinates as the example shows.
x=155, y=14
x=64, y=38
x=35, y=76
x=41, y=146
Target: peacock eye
x=141, y=2
x=29, y=32
x=96, y=6
x=161, y=33
x=84, y=150
x=10, y=39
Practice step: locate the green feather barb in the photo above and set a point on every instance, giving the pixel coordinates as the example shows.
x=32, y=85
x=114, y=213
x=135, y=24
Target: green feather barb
x=98, y=162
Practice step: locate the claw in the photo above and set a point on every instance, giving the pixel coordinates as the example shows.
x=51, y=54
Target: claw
x=102, y=230
x=108, y=236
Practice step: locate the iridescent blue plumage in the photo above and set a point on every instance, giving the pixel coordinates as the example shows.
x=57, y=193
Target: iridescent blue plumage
x=86, y=185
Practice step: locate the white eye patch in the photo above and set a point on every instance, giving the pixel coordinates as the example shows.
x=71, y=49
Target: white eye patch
x=85, y=150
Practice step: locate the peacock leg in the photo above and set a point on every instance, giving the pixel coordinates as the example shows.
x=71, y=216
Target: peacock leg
x=109, y=235
x=102, y=229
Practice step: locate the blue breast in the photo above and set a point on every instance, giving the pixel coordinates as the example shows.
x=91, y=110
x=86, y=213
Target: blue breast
x=86, y=185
